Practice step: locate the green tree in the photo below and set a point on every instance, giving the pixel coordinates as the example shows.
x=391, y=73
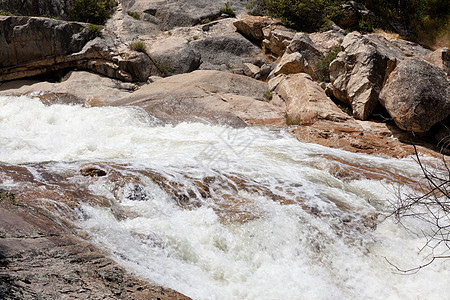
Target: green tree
x=92, y=11
x=303, y=15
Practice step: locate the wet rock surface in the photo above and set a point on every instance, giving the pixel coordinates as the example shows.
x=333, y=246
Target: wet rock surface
x=40, y=259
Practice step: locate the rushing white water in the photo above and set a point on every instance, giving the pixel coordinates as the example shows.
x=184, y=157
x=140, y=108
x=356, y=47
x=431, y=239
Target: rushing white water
x=238, y=243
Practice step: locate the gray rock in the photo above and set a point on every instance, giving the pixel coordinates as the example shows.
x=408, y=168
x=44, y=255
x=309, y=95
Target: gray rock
x=416, y=95
x=302, y=43
x=139, y=66
x=76, y=88
x=326, y=40
x=259, y=61
x=266, y=69
x=169, y=14
x=174, y=56
x=54, y=8
x=224, y=52
x=28, y=39
x=250, y=69
x=301, y=56
x=32, y=46
x=274, y=82
x=410, y=48
x=441, y=59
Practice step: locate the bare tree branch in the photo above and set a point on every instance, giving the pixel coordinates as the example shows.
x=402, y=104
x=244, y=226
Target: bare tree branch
x=432, y=207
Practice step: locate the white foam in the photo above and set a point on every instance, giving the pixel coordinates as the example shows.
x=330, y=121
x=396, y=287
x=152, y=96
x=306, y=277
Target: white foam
x=284, y=253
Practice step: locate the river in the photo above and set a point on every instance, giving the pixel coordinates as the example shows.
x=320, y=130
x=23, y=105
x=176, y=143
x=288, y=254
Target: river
x=221, y=213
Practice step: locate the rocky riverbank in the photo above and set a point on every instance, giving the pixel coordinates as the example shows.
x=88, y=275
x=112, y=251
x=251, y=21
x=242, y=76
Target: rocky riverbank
x=194, y=63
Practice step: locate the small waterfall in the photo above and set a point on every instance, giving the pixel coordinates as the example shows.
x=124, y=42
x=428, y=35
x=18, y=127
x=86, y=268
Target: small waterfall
x=216, y=212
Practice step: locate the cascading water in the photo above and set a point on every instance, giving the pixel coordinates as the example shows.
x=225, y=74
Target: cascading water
x=221, y=213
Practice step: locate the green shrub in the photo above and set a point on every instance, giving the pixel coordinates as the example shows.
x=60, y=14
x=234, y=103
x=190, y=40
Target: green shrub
x=268, y=95
x=95, y=29
x=323, y=66
x=345, y=108
x=134, y=15
x=228, y=10
x=365, y=25
x=163, y=68
x=138, y=46
x=9, y=196
x=205, y=21
x=92, y=11
x=256, y=7
x=4, y=13
x=427, y=20
x=304, y=15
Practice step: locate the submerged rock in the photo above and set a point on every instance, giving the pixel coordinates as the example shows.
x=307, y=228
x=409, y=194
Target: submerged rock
x=42, y=257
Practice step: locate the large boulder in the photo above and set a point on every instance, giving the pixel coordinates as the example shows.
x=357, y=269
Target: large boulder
x=224, y=52
x=276, y=40
x=352, y=12
x=174, y=56
x=409, y=48
x=252, y=26
x=24, y=40
x=31, y=46
x=54, y=8
x=207, y=96
x=306, y=101
x=358, y=72
x=416, y=95
x=169, y=14
x=250, y=69
x=440, y=58
x=301, y=55
x=75, y=88
x=325, y=41
x=290, y=64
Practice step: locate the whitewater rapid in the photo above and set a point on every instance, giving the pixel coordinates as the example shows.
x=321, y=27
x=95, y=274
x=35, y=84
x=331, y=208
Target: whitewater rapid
x=328, y=238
